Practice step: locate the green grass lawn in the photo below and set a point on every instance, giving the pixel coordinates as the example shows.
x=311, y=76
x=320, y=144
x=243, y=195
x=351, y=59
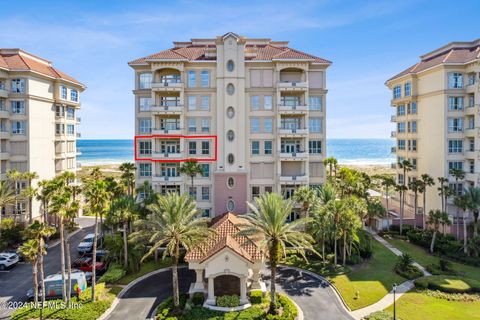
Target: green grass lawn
x=424, y=258
x=145, y=268
x=418, y=306
x=372, y=280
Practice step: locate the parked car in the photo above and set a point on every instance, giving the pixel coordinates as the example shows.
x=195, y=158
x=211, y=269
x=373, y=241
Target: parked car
x=86, y=245
x=8, y=260
x=86, y=264
x=21, y=258
x=53, y=286
x=101, y=254
x=88, y=275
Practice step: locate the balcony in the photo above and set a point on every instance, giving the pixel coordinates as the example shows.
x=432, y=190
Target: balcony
x=293, y=178
x=4, y=113
x=167, y=86
x=79, y=119
x=160, y=178
x=79, y=135
x=293, y=156
x=393, y=150
x=3, y=93
x=4, y=155
x=4, y=133
x=292, y=86
x=470, y=132
x=166, y=155
x=166, y=109
x=393, y=165
x=393, y=134
x=292, y=131
x=294, y=109
x=393, y=119
x=172, y=131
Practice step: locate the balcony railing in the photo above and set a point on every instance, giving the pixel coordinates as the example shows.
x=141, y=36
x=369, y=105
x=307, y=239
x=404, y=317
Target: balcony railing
x=294, y=155
x=79, y=135
x=286, y=130
x=393, y=166
x=292, y=108
x=167, y=86
x=393, y=150
x=393, y=119
x=393, y=134
x=79, y=119
x=3, y=93
x=173, y=130
x=163, y=178
x=166, y=108
x=294, y=178
x=293, y=85
x=169, y=155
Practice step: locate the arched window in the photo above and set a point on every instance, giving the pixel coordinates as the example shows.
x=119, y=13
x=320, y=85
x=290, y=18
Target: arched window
x=230, y=65
x=230, y=158
x=230, y=89
x=230, y=135
x=230, y=112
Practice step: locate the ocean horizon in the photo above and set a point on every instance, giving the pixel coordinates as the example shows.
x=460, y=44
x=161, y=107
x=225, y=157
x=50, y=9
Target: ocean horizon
x=347, y=151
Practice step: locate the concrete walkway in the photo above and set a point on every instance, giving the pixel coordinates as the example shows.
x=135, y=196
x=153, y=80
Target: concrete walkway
x=387, y=300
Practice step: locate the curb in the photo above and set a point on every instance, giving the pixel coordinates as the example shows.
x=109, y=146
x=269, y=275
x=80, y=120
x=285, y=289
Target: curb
x=300, y=311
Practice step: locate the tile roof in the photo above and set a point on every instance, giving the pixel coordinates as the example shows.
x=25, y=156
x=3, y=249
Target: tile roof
x=224, y=235
x=18, y=60
x=451, y=54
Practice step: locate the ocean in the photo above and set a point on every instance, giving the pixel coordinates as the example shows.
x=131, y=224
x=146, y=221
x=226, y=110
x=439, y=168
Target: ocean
x=347, y=151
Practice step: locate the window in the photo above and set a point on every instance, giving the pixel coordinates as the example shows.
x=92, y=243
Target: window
x=18, y=85
x=205, y=170
x=145, y=80
x=412, y=126
x=315, y=103
x=70, y=129
x=144, y=104
x=145, y=169
x=18, y=107
x=59, y=128
x=205, y=125
x=315, y=124
x=192, y=125
x=455, y=124
x=230, y=205
x=145, y=147
x=205, y=193
x=457, y=188
x=291, y=101
x=230, y=112
x=407, y=89
x=255, y=103
x=230, y=158
x=230, y=89
x=455, y=146
x=413, y=161
x=230, y=182
x=401, y=127
x=400, y=179
x=267, y=146
x=472, y=166
x=255, y=192
x=455, y=165
x=192, y=79
x=205, y=79
x=192, y=192
x=255, y=147
x=268, y=125
x=401, y=144
x=267, y=102
x=205, y=106
x=397, y=92
x=401, y=110
x=412, y=108
x=455, y=80
x=230, y=65
x=315, y=146
x=192, y=103
x=471, y=143
x=254, y=125
x=412, y=145
x=268, y=189
x=74, y=95
x=205, y=147
x=63, y=93
x=192, y=147
x=455, y=103
x=471, y=79
x=70, y=113
x=145, y=125
x=19, y=127
x=471, y=100
x=230, y=135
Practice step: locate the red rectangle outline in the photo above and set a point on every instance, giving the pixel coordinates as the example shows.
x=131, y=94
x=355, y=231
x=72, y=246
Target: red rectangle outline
x=166, y=136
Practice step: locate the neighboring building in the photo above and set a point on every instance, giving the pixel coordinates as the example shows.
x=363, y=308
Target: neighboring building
x=252, y=111
x=38, y=123
x=437, y=114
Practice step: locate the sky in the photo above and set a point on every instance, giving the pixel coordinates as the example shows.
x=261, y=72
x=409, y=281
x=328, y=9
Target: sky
x=368, y=42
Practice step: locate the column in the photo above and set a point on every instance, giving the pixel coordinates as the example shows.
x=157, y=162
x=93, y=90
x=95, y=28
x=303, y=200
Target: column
x=243, y=290
x=198, y=286
x=255, y=280
x=211, y=294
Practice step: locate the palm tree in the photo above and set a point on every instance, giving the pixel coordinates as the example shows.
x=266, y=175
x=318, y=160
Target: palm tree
x=121, y=212
x=191, y=168
x=375, y=209
x=388, y=182
x=416, y=187
x=473, y=196
x=401, y=190
x=348, y=225
x=461, y=202
x=321, y=225
x=30, y=192
x=7, y=198
x=427, y=181
x=436, y=218
x=407, y=167
x=442, y=190
x=15, y=176
x=128, y=176
x=306, y=197
x=44, y=195
x=96, y=196
x=29, y=250
x=332, y=164
x=172, y=223
x=458, y=174
x=70, y=212
x=266, y=222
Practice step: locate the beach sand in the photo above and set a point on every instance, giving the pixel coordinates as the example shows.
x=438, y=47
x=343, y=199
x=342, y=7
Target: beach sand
x=110, y=169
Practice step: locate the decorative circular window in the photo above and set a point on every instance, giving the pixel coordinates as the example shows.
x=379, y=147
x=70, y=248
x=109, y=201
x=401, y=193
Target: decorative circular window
x=230, y=158
x=230, y=65
x=230, y=205
x=230, y=89
x=230, y=135
x=230, y=112
x=230, y=182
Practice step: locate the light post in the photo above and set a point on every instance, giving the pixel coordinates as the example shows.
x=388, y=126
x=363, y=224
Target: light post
x=394, y=311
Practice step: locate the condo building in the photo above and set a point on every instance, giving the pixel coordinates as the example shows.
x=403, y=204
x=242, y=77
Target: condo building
x=437, y=116
x=38, y=122
x=250, y=111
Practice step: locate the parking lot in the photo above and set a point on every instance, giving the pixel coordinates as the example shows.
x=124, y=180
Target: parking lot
x=15, y=282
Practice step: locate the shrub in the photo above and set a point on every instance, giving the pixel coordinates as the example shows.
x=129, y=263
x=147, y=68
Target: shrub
x=228, y=301
x=114, y=273
x=198, y=298
x=256, y=297
x=380, y=315
x=11, y=233
x=166, y=306
x=462, y=297
x=448, y=284
x=406, y=269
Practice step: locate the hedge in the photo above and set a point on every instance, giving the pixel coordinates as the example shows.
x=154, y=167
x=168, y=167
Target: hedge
x=448, y=284
x=228, y=301
x=380, y=315
x=114, y=273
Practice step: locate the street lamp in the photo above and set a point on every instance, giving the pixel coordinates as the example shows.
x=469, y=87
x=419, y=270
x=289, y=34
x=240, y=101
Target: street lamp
x=394, y=311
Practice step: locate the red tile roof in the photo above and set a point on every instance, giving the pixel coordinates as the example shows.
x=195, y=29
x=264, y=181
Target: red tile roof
x=451, y=54
x=224, y=235
x=18, y=60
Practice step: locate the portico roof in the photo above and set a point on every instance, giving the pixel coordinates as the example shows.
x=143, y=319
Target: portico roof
x=224, y=235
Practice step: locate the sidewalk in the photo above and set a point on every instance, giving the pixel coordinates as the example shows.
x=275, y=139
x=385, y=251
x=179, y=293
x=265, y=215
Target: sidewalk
x=387, y=300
